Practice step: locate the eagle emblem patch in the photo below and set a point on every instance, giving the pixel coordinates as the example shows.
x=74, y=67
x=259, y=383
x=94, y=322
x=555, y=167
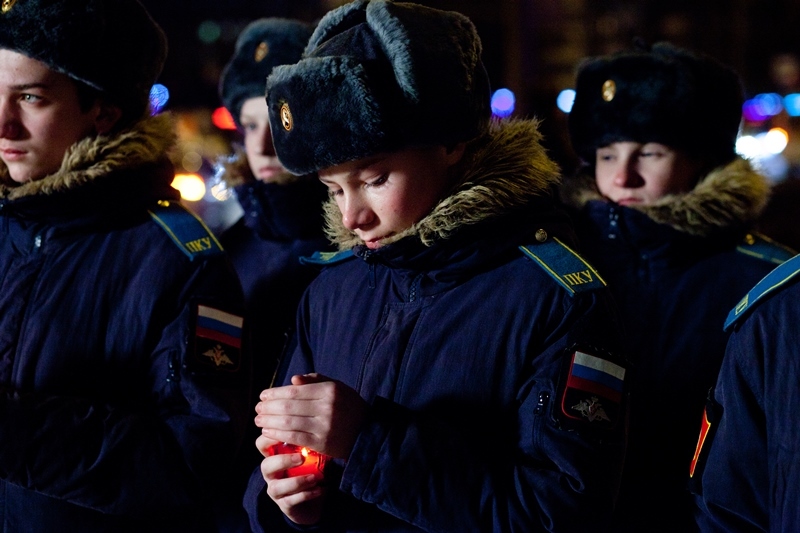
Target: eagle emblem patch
x=218, y=339
x=592, y=391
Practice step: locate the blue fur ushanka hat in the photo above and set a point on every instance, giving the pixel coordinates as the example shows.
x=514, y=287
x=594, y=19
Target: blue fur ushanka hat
x=113, y=46
x=666, y=95
x=263, y=45
x=378, y=76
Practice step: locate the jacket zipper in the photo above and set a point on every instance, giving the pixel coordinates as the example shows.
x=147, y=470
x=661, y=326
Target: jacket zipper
x=412, y=295
x=541, y=404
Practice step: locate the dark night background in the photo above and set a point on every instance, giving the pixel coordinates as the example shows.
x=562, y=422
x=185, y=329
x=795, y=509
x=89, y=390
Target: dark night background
x=530, y=47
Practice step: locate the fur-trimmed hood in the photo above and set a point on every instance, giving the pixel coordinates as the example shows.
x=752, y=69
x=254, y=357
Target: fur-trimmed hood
x=146, y=142
x=727, y=198
x=502, y=171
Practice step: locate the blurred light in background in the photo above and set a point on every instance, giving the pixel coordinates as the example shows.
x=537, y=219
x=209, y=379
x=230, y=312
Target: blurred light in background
x=764, y=151
x=791, y=102
x=222, y=119
x=503, y=101
x=192, y=162
x=191, y=186
x=220, y=192
x=762, y=106
x=775, y=140
x=209, y=31
x=159, y=96
x=565, y=100
x=764, y=144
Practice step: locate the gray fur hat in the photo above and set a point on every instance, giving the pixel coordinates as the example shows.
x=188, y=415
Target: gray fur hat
x=263, y=45
x=665, y=94
x=378, y=76
x=113, y=46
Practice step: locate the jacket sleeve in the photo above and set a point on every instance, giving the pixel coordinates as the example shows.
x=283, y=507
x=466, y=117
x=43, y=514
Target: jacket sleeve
x=171, y=446
x=529, y=470
x=749, y=475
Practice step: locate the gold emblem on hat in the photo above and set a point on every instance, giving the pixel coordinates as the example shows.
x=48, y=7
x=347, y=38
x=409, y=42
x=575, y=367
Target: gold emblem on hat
x=609, y=90
x=541, y=235
x=261, y=51
x=7, y=5
x=286, y=117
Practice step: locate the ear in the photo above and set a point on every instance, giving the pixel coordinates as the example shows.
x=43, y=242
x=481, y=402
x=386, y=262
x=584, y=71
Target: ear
x=455, y=153
x=107, y=117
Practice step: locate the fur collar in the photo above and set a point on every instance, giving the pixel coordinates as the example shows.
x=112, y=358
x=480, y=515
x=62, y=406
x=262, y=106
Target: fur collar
x=92, y=157
x=731, y=196
x=502, y=171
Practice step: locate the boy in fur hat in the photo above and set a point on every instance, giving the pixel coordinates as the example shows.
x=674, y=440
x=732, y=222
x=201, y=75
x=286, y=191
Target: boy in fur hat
x=456, y=361
x=662, y=207
x=282, y=212
x=122, y=371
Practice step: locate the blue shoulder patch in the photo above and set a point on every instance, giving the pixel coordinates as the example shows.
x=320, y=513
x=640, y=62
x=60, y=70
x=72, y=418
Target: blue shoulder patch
x=327, y=258
x=771, y=283
x=185, y=229
x=762, y=247
x=564, y=265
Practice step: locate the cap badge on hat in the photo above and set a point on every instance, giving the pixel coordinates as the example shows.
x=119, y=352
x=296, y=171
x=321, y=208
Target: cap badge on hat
x=286, y=117
x=261, y=51
x=7, y=5
x=609, y=90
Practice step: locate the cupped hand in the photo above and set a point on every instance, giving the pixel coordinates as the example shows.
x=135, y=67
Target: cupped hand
x=314, y=411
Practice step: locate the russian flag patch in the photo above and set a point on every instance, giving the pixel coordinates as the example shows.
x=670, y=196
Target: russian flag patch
x=593, y=390
x=218, y=339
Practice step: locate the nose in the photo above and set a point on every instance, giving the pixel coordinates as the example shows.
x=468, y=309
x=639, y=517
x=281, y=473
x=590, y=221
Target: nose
x=265, y=141
x=356, y=214
x=10, y=128
x=626, y=174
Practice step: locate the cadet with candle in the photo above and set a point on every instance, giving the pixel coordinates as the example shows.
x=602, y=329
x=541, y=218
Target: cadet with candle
x=456, y=360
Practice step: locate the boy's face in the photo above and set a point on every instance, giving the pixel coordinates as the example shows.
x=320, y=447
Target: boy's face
x=384, y=195
x=261, y=156
x=630, y=173
x=40, y=117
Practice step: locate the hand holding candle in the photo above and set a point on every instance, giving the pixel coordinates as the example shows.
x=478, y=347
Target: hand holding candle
x=314, y=412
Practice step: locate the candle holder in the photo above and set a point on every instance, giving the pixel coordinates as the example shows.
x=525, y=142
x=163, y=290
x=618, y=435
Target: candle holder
x=313, y=462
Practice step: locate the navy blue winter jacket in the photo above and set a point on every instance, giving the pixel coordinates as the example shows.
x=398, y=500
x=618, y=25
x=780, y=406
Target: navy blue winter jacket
x=467, y=350
x=282, y=222
x=123, y=393
x=675, y=268
x=747, y=477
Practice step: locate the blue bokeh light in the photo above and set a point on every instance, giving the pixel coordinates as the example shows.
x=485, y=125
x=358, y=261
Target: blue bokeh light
x=503, y=102
x=770, y=104
x=565, y=100
x=791, y=102
x=159, y=96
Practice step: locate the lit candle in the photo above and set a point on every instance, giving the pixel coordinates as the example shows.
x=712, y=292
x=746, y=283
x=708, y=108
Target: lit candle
x=313, y=462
